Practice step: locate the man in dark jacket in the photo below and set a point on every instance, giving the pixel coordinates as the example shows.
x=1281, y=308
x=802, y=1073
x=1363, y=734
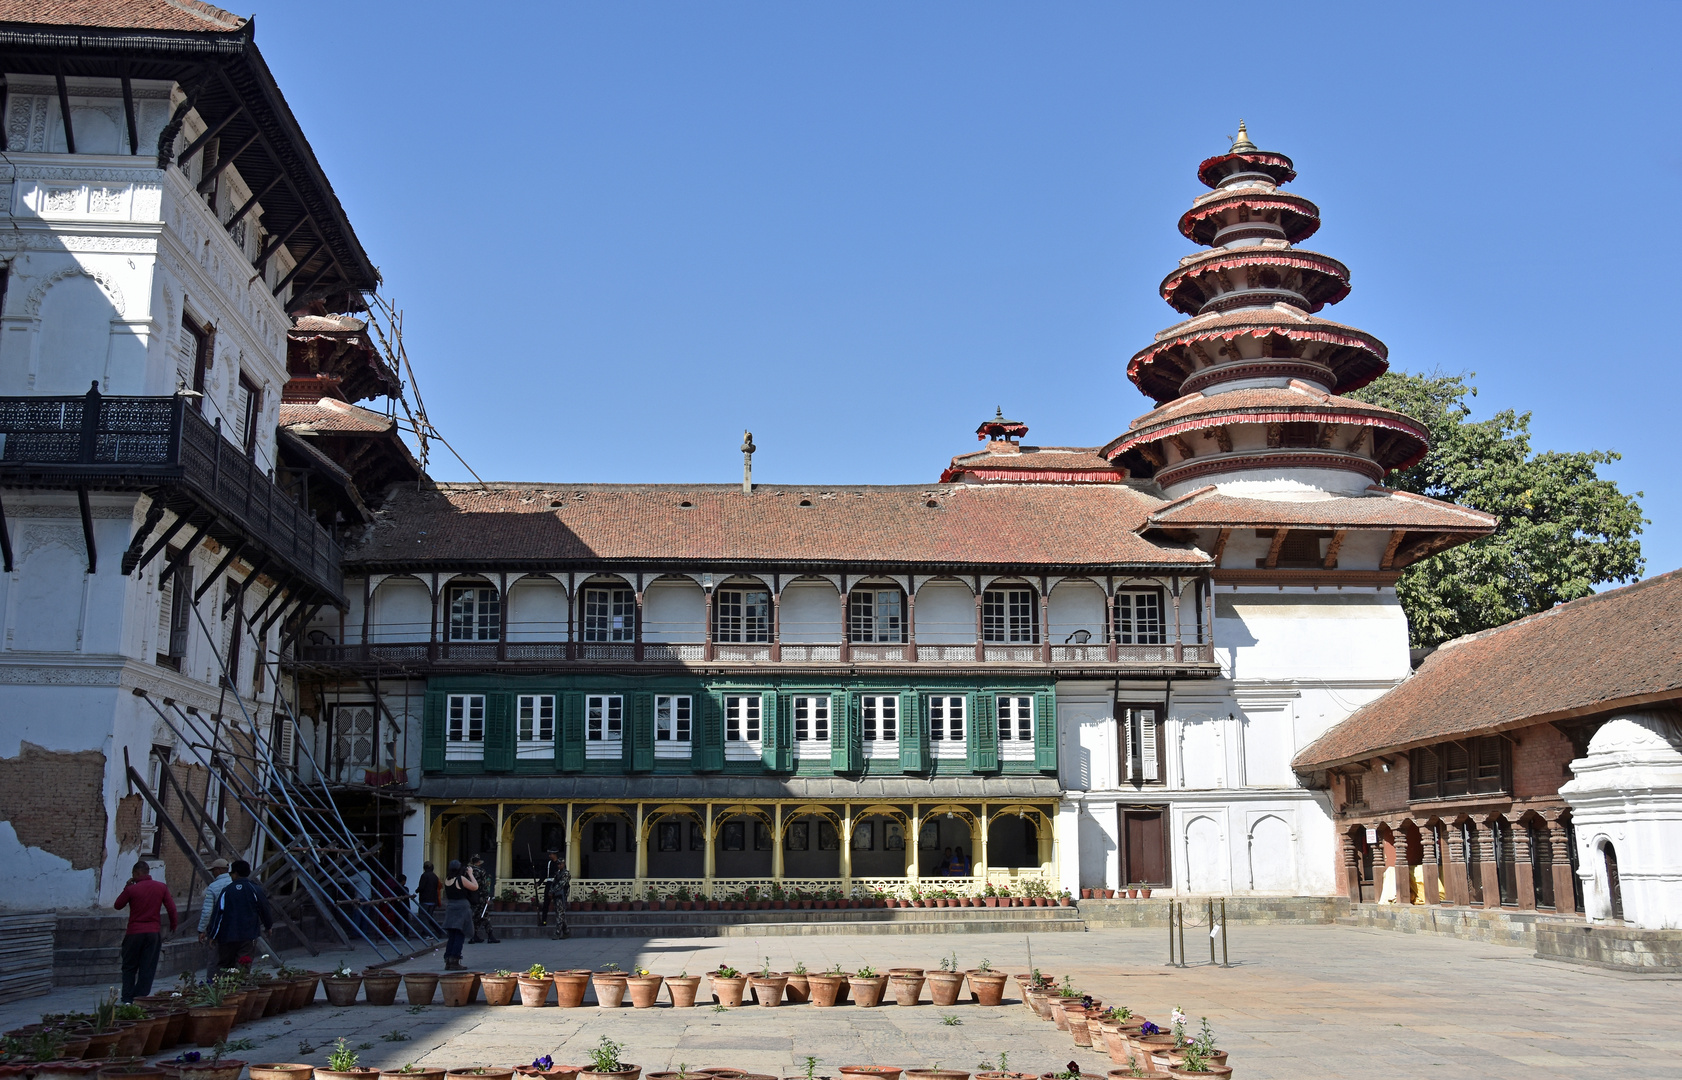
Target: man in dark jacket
x=427, y=893
x=242, y=915
x=483, y=931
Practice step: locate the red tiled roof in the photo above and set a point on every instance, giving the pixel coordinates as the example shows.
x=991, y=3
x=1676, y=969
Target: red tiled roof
x=1355, y=355
x=1620, y=649
x=1297, y=395
x=332, y=417
x=1075, y=464
x=1326, y=282
x=1299, y=217
x=185, y=15
x=1004, y=525
x=1380, y=508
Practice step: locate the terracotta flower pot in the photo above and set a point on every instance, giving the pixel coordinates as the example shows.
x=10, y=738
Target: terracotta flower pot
x=681, y=989
x=155, y=1028
x=559, y=1072
x=101, y=1044
x=610, y=989
x=1146, y=1069
x=175, y=1027
x=1083, y=1076
x=281, y=1070
x=825, y=989
x=342, y=991
x=570, y=987
x=419, y=987
x=987, y=986
x=799, y=989
x=380, y=988
x=226, y=1069
x=769, y=989
x=304, y=990
x=1079, y=1029
x=534, y=993
x=499, y=989
x=1213, y=1072
x=944, y=986
x=907, y=985
x=629, y=1072
x=457, y=987
x=644, y=990
x=208, y=1025
x=728, y=991
x=868, y=990
x=480, y=1072
x=412, y=1072
x=246, y=1000
x=131, y=1072
x=871, y=1072
x=934, y=1074
x=1145, y=893
x=131, y=1038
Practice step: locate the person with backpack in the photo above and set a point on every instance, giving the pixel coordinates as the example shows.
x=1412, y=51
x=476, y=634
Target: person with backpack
x=427, y=893
x=557, y=883
x=242, y=916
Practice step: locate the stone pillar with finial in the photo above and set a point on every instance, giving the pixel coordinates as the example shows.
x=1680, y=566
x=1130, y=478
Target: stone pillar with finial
x=747, y=462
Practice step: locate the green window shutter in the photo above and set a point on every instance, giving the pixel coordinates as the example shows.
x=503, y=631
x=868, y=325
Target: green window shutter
x=572, y=733
x=432, y=732
x=779, y=732
x=1045, y=731
x=499, y=734
x=913, y=733
x=846, y=740
x=709, y=753
x=983, y=733
x=639, y=747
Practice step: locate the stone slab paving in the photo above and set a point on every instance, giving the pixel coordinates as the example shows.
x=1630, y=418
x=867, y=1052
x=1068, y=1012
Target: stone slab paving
x=1301, y=1002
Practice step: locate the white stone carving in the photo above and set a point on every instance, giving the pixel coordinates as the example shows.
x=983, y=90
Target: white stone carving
x=32, y=305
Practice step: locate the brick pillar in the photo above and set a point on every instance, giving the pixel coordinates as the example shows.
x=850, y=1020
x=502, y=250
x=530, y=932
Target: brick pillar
x=1565, y=896
x=1524, y=874
x=1428, y=859
x=1456, y=866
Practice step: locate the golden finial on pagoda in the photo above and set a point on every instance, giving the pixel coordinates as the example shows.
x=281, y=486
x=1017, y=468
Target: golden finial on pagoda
x=1242, y=144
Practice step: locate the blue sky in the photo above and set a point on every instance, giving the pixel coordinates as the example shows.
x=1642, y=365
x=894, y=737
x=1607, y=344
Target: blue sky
x=624, y=232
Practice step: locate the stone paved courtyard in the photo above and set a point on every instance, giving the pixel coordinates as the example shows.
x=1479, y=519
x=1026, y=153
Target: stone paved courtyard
x=1299, y=1002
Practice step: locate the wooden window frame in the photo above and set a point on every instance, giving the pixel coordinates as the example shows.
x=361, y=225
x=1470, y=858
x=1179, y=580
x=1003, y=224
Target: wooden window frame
x=681, y=709
x=466, y=717
x=865, y=628
x=1000, y=627
x=1126, y=719
x=482, y=625
x=947, y=746
x=1132, y=636
x=1488, y=769
x=253, y=415
x=617, y=618
x=741, y=621
x=812, y=747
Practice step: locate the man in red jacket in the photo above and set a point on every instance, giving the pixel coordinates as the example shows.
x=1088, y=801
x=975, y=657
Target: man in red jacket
x=143, y=897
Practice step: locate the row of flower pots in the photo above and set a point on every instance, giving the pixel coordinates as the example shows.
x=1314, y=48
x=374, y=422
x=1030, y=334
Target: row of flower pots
x=1133, y=893
x=672, y=904
x=1142, y=1047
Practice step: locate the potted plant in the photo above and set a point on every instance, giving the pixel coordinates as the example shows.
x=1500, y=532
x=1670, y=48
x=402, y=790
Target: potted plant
x=570, y=986
x=480, y=1072
x=499, y=986
x=987, y=985
x=610, y=986
x=131, y=1071
x=210, y=1017
x=605, y=1063
x=457, y=987
x=768, y=985
x=644, y=987
x=947, y=983
x=341, y=1065
x=826, y=988
x=535, y=985
x=727, y=984
x=281, y=1070
x=871, y=1072
x=412, y=1071
x=380, y=987
x=934, y=1074
x=195, y=1066
x=1154, y=1042
x=681, y=988
x=907, y=985
x=799, y=986
x=342, y=986
x=545, y=1066
x=1065, y=898
x=868, y=986
x=1139, y=1065
x=420, y=986
x=1071, y=1072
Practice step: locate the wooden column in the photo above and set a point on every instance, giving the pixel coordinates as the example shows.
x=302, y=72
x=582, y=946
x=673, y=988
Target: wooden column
x=502, y=617
x=1179, y=640
x=1486, y=862
x=707, y=649
x=504, y=858
x=1455, y=866
x=572, y=614
x=636, y=627
x=1565, y=886
x=846, y=624
x=911, y=617
x=1045, y=622
x=367, y=609
x=432, y=640
x=776, y=618
x=1524, y=873
x=1111, y=651
x=1351, y=868
x=980, y=648
x=1428, y=860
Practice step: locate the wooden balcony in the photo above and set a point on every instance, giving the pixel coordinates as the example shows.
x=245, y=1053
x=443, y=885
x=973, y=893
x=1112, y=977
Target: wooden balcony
x=162, y=447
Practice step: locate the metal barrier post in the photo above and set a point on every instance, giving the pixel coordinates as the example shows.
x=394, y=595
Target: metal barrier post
x=1181, y=905
x=1223, y=933
x=1170, y=933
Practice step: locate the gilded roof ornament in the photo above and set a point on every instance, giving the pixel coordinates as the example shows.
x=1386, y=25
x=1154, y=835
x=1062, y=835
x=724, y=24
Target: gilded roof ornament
x=1242, y=144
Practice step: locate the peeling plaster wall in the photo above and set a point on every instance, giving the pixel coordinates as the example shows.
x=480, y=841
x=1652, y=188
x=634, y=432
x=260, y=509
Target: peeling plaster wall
x=53, y=810
x=38, y=880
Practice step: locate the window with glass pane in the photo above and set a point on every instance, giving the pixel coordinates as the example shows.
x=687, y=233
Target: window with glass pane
x=946, y=725
x=741, y=718
x=610, y=615
x=1016, y=727
x=475, y=614
x=535, y=717
x=877, y=615
x=742, y=615
x=464, y=730
x=811, y=726
x=671, y=718
x=1138, y=619
x=879, y=720
x=1007, y=615
x=604, y=725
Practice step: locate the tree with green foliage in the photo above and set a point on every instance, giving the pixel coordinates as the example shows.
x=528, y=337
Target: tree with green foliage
x=1563, y=529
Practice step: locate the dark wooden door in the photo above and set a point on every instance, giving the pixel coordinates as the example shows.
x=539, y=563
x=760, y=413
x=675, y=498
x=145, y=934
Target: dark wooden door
x=1147, y=849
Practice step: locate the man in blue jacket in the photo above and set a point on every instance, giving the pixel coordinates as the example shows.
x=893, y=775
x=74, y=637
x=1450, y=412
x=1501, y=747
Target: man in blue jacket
x=242, y=915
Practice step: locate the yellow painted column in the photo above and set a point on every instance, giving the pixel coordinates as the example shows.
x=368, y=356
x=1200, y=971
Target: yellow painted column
x=847, y=852
x=980, y=852
x=642, y=854
x=504, y=849
x=777, y=843
x=709, y=864
x=913, y=845
x=435, y=833
x=574, y=863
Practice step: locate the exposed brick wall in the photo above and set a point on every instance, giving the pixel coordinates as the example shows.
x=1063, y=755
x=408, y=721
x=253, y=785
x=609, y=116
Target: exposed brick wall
x=1539, y=762
x=128, y=822
x=55, y=801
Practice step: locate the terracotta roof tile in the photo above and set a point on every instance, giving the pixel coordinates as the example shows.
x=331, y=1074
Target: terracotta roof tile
x=1045, y=464
x=987, y=525
x=1380, y=508
x=185, y=15
x=1617, y=648
x=1298, y=395
x=330, y=416
x=326, y=324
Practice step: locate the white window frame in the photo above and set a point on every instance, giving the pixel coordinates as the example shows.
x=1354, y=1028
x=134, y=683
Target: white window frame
x=879, y=725
x=1016, y=727
x=744, y=726
x=480, y=620
x=741, y=620
x=464, y=727
x=1134, y=630
x=874, y=625
x=1010, y=616
x=534, y=731
x=610, y=614
x=948, y=725
x=812, y=713
x=674, y=725
x=604, y=726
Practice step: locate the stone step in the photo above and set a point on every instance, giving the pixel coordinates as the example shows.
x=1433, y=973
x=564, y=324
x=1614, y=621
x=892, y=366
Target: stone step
x=796, y=923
